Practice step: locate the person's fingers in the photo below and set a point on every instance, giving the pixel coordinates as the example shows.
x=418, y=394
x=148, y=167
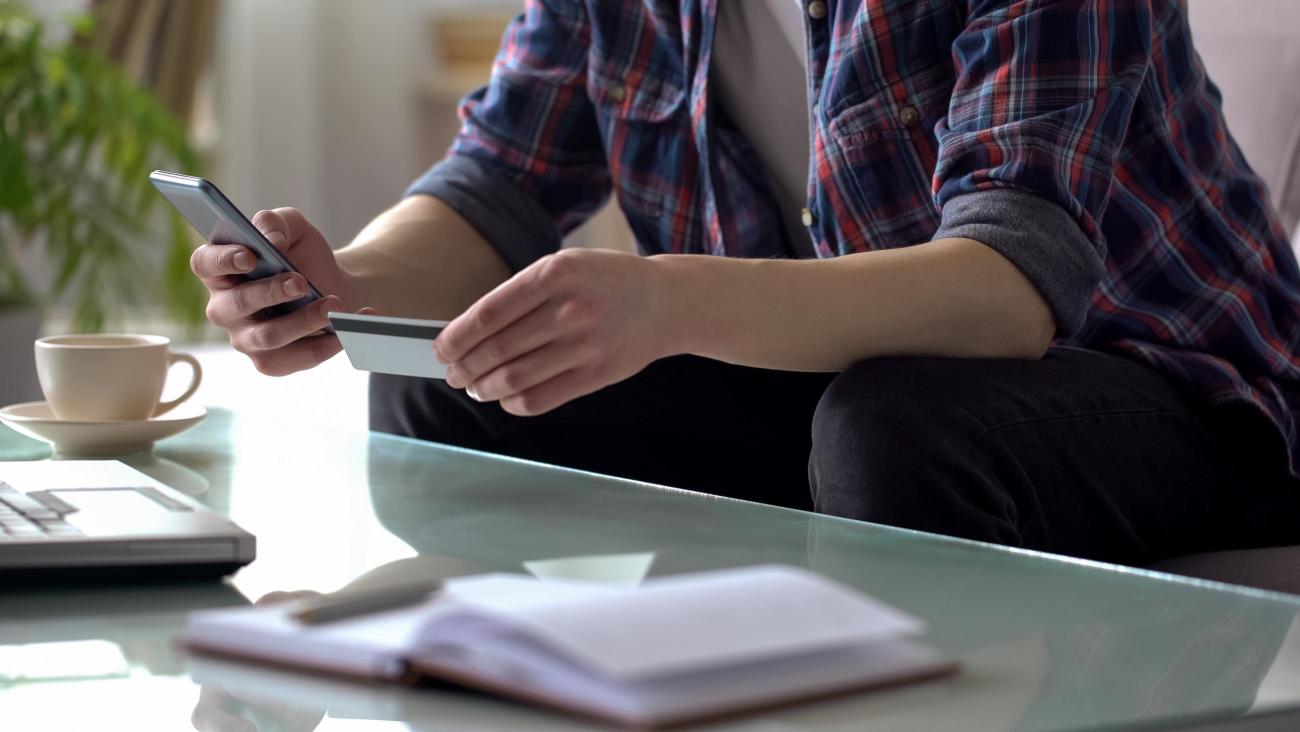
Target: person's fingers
x=276, y=333
x=283, y=227
x=525, y=372
x=214, y=263
x=297, y=223
x=273, y=226
x=491, y=313
x=550, y=394
x=245, y=300
x=525, y=335
x=302, y=354
x=510, y=301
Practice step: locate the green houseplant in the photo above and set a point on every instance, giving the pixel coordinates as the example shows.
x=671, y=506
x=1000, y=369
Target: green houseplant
x=79, y=222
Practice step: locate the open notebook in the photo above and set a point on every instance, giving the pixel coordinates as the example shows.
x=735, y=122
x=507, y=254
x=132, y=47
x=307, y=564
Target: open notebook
x=673, y=650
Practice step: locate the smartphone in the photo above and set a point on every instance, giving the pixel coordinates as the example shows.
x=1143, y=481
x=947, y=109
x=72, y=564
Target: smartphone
x=217, y=220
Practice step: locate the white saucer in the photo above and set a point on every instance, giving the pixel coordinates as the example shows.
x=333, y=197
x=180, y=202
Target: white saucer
x=98, y=439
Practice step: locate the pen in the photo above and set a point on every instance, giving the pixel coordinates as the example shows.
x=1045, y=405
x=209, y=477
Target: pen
x=351, y=603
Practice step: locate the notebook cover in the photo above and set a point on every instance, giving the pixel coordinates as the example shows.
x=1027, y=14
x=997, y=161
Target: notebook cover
x=471, y=681
x=417, y=672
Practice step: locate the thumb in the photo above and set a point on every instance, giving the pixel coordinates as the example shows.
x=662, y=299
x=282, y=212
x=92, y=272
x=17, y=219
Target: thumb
x=273, y=227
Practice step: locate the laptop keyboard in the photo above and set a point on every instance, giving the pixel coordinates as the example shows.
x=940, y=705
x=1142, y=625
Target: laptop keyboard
x=24, y=518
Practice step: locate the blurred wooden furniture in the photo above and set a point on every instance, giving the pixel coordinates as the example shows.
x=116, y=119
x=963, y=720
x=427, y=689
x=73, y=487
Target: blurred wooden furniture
x=163, y=44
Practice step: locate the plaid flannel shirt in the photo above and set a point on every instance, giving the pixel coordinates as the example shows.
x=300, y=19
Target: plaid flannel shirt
x=1080, y=139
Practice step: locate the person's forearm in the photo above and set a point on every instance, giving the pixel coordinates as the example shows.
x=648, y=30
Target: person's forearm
x=953, y=297
x=419, y=259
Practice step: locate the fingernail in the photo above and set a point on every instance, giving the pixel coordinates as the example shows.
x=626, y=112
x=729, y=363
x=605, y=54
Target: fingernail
x=454, y=378
x=292, y=288
x=243, y=261
x=472, y=394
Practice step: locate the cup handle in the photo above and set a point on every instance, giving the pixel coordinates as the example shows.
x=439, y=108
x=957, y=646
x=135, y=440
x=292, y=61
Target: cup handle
x=172, y=359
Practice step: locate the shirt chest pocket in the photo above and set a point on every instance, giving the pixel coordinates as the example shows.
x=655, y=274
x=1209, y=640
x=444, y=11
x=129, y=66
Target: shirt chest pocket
x=634, y=97
x=884, y=151
x=906, y=110
x=644, y=122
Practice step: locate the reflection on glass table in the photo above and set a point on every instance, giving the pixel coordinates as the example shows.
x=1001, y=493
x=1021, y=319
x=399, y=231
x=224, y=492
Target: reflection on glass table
x=1046, y=643
x=64, y=661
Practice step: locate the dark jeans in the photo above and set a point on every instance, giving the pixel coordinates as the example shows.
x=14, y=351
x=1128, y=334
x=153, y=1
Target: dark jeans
x=1080, y=453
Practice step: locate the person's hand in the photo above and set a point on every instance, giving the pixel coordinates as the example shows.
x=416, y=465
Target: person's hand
x=289, y=343
x=569, y=324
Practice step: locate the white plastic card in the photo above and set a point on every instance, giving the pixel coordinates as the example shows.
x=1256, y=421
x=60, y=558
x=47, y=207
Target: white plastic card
x=400, y=346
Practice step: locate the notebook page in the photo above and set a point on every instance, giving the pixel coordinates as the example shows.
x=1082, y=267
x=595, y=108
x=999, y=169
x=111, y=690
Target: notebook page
x=369, y=645
x=495, y=659
x=673, y=699
x=686, y=623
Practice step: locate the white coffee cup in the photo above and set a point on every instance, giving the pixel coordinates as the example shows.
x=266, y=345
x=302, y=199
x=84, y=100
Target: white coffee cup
x=109, y=377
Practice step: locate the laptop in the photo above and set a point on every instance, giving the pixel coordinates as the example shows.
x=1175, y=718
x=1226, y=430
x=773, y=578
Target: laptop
x=101, y=519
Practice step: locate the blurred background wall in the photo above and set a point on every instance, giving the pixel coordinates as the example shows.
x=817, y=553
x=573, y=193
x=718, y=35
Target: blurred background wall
x=334, y=106
x=315, y=103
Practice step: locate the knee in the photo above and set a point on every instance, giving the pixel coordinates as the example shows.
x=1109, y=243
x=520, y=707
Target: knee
x=889, y=447
x=862, y=442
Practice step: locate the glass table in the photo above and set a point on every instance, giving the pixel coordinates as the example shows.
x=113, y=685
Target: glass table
x=1046, y=643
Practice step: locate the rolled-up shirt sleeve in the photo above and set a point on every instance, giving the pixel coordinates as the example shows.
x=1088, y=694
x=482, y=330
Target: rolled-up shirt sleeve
x=528, y=164
x=1042, y=101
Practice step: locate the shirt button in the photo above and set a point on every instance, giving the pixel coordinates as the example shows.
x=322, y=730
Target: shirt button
x=806, y=216
x=616, y=93
x=816, y=9
x=908, y=116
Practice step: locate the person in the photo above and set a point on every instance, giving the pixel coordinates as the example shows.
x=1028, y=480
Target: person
x=991, y=269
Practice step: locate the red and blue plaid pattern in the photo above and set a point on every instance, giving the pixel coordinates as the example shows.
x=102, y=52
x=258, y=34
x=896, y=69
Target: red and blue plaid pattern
x=1101, y=107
